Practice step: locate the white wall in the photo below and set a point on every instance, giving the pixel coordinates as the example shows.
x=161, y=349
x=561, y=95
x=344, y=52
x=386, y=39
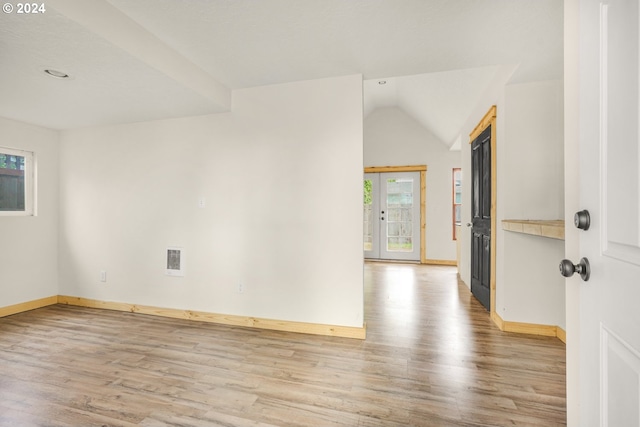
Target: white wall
x=392, y=138
x=28, y=246
x=530, y=156
x=532, y=187
x=493, y=95
x=534, y=153
x=530, y=288
x=282, y=178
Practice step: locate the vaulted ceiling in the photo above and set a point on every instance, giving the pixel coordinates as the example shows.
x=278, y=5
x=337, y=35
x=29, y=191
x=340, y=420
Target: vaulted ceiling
x=136, y=60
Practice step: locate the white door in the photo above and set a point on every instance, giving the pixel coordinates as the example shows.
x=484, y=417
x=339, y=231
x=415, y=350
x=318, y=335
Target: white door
x=392, y=216
x=604, y=387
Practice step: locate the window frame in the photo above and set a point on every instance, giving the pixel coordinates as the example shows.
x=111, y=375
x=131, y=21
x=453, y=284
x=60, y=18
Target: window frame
x=29, y=181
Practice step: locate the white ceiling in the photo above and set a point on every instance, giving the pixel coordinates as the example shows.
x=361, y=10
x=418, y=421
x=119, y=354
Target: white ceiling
x=136, y=60
x=439, y=101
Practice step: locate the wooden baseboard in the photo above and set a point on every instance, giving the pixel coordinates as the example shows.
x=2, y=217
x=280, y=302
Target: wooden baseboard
x=497, y=320
x=440, y=262
x=224, y=319
x=253, y=322
x=26, y=306
x=529, y=328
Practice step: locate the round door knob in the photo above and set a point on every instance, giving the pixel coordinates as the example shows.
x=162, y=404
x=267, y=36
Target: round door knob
x=582, y=220
x=567, y=268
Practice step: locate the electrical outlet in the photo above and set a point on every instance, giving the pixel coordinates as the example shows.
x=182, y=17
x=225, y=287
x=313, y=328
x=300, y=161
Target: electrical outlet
x=103, y=276
x=240, y=287
x=202, y=202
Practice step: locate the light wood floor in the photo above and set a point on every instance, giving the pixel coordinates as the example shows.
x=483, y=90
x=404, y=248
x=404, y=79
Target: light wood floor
x=432, y=357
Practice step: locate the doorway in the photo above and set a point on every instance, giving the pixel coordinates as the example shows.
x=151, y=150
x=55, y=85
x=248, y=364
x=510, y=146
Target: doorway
x=393, y=215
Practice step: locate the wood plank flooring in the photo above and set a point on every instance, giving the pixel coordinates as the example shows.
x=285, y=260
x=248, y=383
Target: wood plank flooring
x=432, y=357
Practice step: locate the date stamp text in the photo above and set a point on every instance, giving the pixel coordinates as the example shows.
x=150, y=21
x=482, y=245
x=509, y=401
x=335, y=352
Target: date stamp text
x=24, y=8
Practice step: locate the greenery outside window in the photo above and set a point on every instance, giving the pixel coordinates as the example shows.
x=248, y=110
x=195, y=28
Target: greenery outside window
x=16, y=182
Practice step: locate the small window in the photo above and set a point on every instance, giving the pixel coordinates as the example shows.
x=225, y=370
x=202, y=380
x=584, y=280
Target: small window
x=16, y=182
x=457, y=200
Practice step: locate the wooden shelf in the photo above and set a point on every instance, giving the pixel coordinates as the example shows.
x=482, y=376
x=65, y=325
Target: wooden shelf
x=554, y=229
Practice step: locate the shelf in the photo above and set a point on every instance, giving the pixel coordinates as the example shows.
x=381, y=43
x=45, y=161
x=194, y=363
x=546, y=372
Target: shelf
x=553, y=229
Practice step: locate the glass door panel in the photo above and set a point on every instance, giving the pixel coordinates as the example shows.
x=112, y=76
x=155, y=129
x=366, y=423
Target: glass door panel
x=392, y=216
x=371, y=215
x=399, y=218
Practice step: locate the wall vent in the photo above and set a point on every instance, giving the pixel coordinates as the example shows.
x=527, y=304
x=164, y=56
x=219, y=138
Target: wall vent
x=175, y=261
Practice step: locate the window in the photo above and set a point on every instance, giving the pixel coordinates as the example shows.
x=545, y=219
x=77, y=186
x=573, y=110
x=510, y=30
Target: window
x=457, y=199
x=16, y=182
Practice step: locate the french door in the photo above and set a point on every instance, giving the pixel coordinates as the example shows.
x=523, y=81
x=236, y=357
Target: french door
x=392, y=216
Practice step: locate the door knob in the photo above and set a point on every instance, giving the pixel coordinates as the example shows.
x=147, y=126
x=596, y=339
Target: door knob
x=567, y=268
x=582, y=220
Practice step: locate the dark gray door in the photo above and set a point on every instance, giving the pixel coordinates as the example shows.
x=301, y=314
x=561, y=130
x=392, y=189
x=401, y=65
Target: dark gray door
x=481, y=218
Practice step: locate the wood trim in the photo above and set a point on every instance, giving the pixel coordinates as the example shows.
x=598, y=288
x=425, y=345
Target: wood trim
x=525, y=328
x=26, y=306
x=392, y=261
x=440, y=262
x=497, y=320
x=553, y=229
x=561, y=334
x=377, y=169
x=488, y=119
x=224, y=319
x=529, y=328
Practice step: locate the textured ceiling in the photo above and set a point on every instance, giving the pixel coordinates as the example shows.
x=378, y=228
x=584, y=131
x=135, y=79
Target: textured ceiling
x=135, y=60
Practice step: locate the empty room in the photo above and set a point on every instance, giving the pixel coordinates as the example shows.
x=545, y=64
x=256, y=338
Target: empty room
x=183, y=238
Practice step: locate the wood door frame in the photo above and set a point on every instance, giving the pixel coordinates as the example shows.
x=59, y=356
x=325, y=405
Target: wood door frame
x=423, y=198
x=489, y=119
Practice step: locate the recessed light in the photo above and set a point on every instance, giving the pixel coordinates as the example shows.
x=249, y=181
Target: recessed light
x=382, y=82
x=57, y=74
